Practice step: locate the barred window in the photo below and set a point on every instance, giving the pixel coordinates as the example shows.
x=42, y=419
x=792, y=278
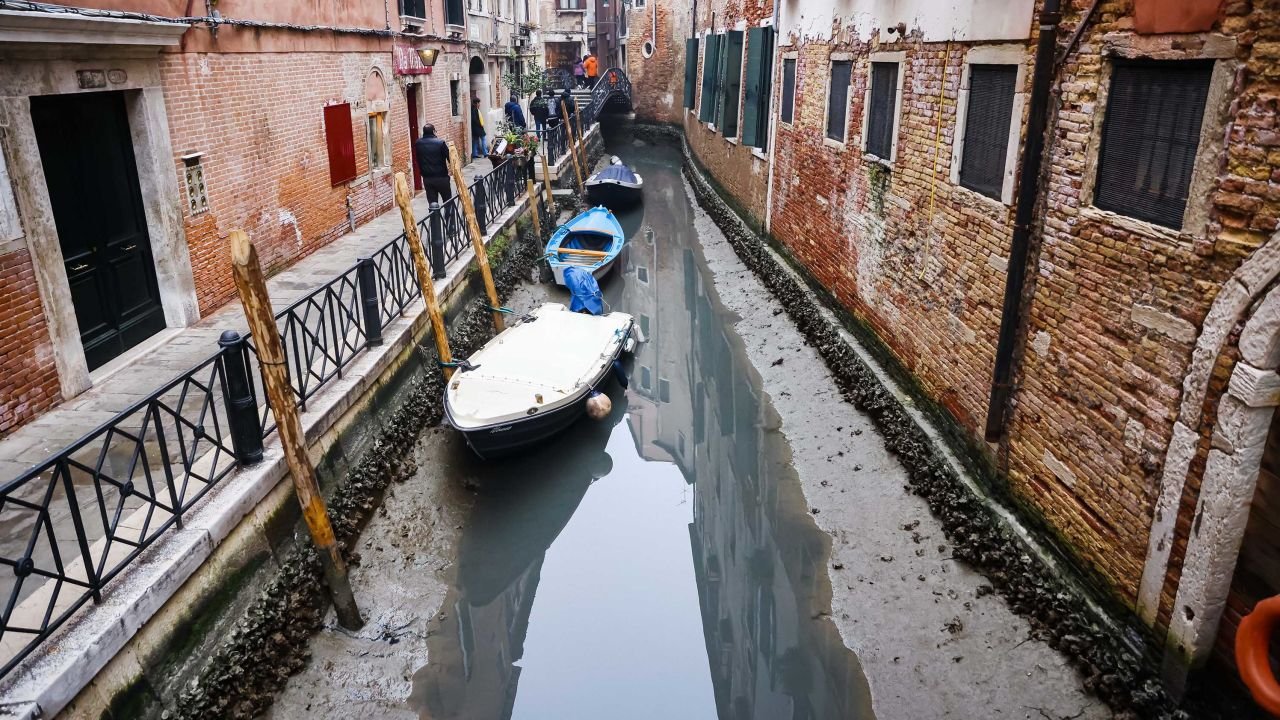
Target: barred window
x=838, y=99
x=883, y=110
x=788, y=90
x=1150, y=137
x=986, y=127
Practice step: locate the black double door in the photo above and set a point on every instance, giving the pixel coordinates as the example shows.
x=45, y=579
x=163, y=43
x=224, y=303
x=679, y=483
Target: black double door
x=87, y=152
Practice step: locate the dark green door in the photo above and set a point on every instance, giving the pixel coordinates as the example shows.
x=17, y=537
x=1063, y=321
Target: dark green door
x=89, y=168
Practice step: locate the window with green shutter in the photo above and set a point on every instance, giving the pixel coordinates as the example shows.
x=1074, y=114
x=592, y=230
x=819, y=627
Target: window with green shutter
x=731, y=88
x=710, y=74
x=690, y=72
x=759, y=87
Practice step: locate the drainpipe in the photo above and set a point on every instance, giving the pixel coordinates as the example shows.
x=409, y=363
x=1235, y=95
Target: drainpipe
x=1028, y=193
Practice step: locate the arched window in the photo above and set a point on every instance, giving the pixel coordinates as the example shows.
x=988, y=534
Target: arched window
x=375, y=98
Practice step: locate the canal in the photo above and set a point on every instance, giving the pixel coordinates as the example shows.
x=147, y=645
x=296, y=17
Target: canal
x=673, y=561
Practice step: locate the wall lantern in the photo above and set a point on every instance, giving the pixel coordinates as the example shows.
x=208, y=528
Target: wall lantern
x=428, y=56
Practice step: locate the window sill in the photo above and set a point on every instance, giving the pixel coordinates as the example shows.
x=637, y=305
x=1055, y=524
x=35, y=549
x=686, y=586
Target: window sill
x=572, y=11
x=757, y=154
x=731, y=140
x=985, y=202
x=1151, y=231
x=870, y=158
x=833, y=144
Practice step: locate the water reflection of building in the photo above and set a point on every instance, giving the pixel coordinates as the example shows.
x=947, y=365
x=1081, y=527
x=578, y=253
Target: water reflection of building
x=522, y=506
x=758, y=556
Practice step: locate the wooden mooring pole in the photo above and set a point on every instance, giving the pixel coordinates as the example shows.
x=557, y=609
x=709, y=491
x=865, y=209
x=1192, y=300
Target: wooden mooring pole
x=546, y=184
x=573, y=144
x=582, y=145
x=252, y=286
x=532, y=194
x=477, y=238
x=403, y=197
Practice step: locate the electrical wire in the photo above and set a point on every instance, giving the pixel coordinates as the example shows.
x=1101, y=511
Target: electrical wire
x=212, y=22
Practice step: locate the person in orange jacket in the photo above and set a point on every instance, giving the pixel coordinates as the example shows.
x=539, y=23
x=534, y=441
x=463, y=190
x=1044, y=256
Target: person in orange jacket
x=593, y=68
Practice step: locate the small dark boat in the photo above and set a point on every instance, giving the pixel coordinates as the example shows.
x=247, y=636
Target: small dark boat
x=590, y=241
x=615, y=187
x=533, y=380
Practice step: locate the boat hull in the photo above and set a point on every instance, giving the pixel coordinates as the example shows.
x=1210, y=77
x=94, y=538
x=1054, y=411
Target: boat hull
x=557, y=270
x=614, y=195
x=500, y=439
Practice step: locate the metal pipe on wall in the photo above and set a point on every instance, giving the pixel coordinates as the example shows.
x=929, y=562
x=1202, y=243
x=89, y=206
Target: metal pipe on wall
x=1024, y=216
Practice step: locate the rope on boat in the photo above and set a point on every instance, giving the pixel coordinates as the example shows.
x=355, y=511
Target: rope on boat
x=503, y=310
x=462, y=365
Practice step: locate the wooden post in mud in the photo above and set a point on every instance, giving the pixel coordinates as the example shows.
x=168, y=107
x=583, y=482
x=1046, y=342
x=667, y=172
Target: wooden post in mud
x=546, y=185
x=532, y=194
x=477, y=238
x=424, y=274
x=573, y=144
x=252, y=286
x=582, y=144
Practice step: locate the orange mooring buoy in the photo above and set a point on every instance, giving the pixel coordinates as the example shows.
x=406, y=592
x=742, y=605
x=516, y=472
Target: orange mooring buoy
x=1253, y=640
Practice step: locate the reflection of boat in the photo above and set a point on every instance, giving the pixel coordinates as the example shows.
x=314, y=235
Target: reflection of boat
x=590, y=241
x=534, y=378
x=477, y=641
x=616, y=186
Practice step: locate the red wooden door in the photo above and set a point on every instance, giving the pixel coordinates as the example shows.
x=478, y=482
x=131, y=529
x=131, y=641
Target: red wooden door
x=411, y=95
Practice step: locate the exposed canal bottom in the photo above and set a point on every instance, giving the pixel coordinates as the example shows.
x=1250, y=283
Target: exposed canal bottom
x=676, y=560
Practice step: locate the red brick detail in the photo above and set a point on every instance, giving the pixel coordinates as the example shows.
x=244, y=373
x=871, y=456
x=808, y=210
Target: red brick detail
x=28, y=376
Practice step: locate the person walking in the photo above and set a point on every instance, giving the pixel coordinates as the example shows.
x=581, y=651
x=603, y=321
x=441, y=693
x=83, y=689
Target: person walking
x=433, y=164
x=515, y=116
x=570, y=110
x=540, y=111
x=478, y=145
x=592, y=66
x=580, y=73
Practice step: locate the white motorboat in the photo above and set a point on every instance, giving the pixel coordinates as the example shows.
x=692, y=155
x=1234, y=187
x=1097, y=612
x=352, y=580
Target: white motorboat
x=533, y=379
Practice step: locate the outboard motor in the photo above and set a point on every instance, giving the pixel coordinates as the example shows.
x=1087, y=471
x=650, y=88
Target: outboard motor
x=584, y=291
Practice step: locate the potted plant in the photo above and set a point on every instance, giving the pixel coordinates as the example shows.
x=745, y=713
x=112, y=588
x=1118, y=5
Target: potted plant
x=1186, y=16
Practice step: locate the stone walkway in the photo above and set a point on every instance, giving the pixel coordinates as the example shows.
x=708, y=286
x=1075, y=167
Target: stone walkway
x=185, y=347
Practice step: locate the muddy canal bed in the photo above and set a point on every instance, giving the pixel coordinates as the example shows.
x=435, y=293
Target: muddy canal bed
x=733, y=541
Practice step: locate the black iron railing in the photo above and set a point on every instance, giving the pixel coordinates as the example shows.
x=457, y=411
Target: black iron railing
x=71, y=524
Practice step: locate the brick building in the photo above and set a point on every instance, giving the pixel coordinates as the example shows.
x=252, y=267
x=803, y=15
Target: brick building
x=135, y=139
x=889, y=168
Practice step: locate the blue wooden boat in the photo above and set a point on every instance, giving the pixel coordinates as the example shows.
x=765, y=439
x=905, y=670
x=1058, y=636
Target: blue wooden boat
x=590, y=241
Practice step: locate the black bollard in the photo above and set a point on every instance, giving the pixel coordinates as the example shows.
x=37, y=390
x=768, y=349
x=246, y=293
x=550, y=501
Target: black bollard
x=242, y=409
x=435, y=228
x=367, y=275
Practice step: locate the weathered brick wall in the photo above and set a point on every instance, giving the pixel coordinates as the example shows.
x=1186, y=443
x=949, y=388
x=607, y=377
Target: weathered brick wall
x=918, y=259
x=658, y=80
x=740, y=172
x=29, y=381
x=258, y=117
x=1117, y=304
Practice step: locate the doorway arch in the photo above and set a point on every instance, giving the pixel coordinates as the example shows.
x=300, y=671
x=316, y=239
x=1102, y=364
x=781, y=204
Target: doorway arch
x=1245, y=418
x=480, y=82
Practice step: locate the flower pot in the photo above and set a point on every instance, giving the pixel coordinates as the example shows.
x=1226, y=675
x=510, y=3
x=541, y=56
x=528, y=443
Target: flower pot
x=1152, y=17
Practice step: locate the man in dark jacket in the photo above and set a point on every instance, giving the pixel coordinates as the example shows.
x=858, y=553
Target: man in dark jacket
x=540, y=110
x=515, y=115
x=571, y=108
x=433, y=164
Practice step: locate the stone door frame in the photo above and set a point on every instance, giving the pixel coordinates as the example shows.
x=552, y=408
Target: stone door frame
x=1234, y=460
x=93, y=56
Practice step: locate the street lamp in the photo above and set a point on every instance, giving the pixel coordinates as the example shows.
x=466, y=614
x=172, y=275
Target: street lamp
x=428, y=56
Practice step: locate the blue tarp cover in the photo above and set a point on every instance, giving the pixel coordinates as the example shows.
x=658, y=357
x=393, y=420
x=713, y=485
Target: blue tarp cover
x=584, y=291
x=621, y=173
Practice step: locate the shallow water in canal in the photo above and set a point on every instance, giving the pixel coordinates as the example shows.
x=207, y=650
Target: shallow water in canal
x=659, y=564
